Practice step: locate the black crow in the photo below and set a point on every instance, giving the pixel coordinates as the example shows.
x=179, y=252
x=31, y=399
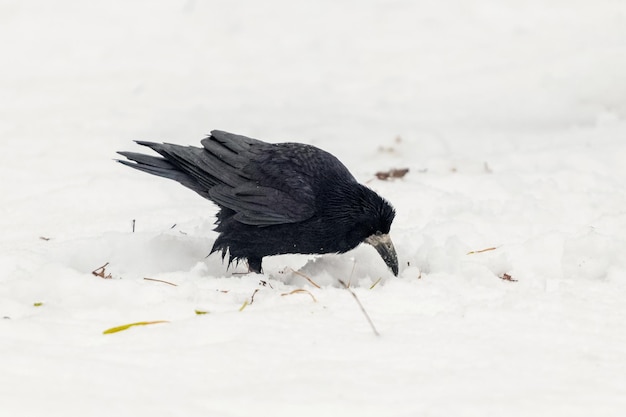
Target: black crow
x=275, y=198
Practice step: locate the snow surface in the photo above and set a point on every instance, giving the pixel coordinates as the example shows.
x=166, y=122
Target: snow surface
x=510, y=115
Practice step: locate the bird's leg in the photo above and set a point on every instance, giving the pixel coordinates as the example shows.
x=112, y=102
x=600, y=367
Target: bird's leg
x=254, y=265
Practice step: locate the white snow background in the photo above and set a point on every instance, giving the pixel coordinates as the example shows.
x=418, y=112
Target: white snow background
x=510, y=115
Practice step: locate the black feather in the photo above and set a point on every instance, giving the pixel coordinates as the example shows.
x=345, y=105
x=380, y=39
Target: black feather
x=274, y=198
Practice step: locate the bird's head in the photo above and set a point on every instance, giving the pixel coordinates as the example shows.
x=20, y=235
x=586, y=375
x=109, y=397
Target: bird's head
x=371, y=225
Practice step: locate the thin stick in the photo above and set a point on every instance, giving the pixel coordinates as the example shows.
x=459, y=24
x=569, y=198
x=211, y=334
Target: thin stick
x=352, y=273
x=481, y=251
x=253, y=294
x=305, y=277
x=361, y=307
x=160, y=280
x=97, y=269
x=376, y=283
x=99, y=272
x=133, y=225
x=300, y=290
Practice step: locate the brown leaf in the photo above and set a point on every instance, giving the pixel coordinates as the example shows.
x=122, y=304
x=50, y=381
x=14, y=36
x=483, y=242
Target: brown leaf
x=507, y=277
x=392, y=174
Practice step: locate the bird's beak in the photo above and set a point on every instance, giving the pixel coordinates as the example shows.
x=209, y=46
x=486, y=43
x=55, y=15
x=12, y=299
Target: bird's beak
x=384, y=247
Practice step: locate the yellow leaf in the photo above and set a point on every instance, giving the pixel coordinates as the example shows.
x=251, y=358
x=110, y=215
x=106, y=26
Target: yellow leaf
x=126, y=326
x=38, y=304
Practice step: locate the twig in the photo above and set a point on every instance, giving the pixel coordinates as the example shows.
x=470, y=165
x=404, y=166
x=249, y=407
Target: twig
x=361, y=307
x=480, y=251
x=300, y=290
x=252, y=297
x=376, y=283
x=305, y=277
x=160, y=280
x=102, y=267
x=133, y=225
x=99, y=272
x=246, y=303
x=351, y=273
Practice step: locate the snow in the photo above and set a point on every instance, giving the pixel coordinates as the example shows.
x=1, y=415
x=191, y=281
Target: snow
x=510, y=116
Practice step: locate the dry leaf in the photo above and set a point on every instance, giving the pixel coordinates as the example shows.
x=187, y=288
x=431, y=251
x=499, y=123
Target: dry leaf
x=391, y=174
x=507, y=277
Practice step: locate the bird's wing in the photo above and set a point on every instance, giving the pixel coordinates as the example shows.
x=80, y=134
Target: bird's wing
x=261, y=182
x=261, y=189
x=262, y=206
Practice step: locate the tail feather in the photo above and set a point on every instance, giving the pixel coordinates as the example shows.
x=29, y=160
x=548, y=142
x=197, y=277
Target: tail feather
x=220, y=161
x=143, y=159
x=163, y=168
x=188, y=160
